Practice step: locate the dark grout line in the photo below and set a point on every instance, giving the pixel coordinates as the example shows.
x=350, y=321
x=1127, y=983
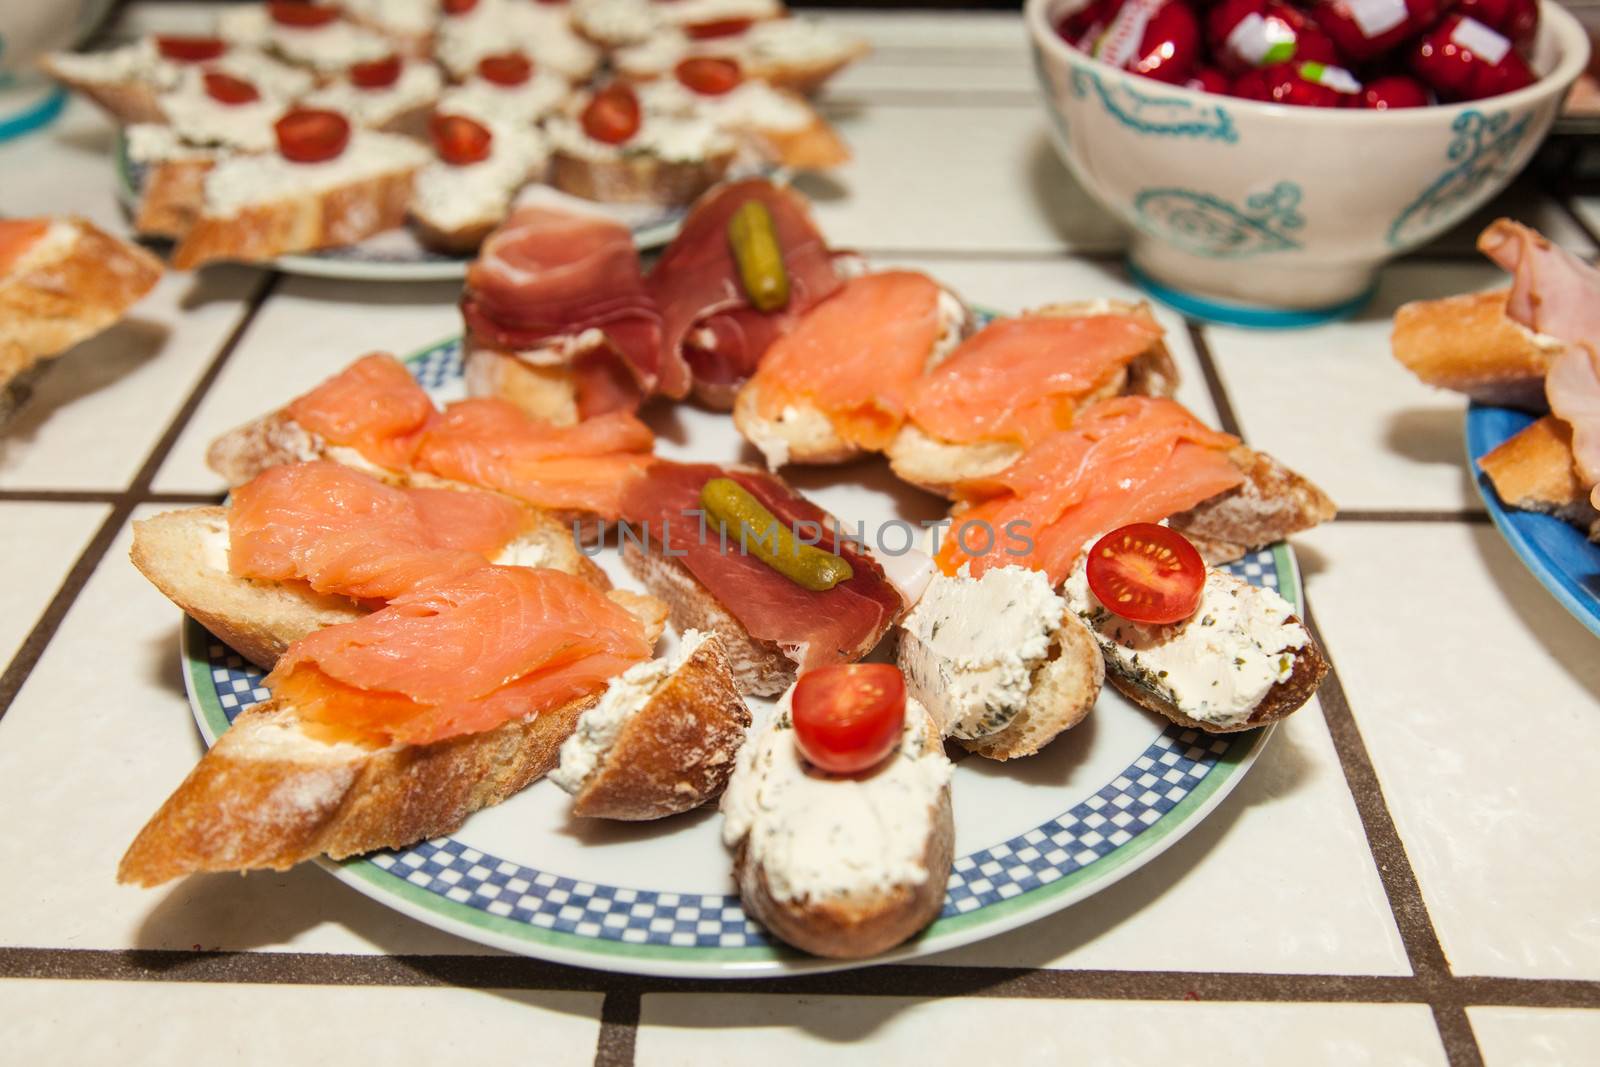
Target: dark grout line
x=619, y=1029
x=1208, y=367
x=1455, y=1033
x=33, y=646
x=854, y=100
x=1021, y=255
x=1466, y=515
x=103, y=496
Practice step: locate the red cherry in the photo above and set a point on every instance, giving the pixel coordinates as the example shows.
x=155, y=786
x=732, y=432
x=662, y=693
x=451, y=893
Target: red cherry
x=300, y=14
x=1392, y=91
x=706, y=31
x=226, y=89
x=312, y=135
x=377, y=74
x=508, y=69
x=190, y=49
x=459, y=140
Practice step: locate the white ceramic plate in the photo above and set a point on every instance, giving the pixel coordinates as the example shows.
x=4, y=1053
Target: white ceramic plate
x=1032, y=836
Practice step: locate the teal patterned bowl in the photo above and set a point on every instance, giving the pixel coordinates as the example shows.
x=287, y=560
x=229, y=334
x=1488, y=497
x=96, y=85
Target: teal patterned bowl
x=1265, y=214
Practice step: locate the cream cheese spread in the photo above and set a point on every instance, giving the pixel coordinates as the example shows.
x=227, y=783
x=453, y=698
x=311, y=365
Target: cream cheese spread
x=697, y=12
x=600, y=726
x=418, y=85
x=667, y=137
x=751, y=105
x=969, y=648
x=200, y=120
x=453, y=197
x=818, y=835
x=243, y=181
x=328, y=48
x=52, y=245
x=616, y=22
x=539, y=96
x=1215, y=667
x=410, y=17
x=795, y=41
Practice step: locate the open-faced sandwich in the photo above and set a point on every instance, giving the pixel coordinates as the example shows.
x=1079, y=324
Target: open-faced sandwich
x=1536, y=347
x=61, y=282
x=478, y=167
x=507, y=87
x=800, y=54
x=839, y=814
x=314, y=36
x=395, y=94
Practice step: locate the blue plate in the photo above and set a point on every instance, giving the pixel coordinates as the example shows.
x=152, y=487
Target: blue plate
x=1565, y=561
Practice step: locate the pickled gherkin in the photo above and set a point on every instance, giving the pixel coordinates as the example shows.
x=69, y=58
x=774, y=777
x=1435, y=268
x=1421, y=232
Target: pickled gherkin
x=736, y=511
x=758, y=255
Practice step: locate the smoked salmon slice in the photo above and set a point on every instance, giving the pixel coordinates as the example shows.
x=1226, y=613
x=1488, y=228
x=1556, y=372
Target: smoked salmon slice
x=346, y=533
x=856, y=356
x=1126, y=459
x=459, y=657
x=1021, y=379
x=374, y=406
x=16, y=237
x=489, y=442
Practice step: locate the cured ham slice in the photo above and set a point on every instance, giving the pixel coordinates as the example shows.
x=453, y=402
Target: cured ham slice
x=813, y=629
x=1021, y=379
x=374, y=406
x=1555, y=293
x=459, y=657
x=1127, y=459
x=712, y=336
x=856, y=356
x=547, y=275
x=489, y=442
x=344, y=532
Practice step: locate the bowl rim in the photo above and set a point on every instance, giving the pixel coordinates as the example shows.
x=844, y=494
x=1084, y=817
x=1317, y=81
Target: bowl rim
x=1553, y=19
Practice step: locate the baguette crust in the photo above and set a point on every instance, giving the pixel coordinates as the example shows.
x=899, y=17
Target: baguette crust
x=1467, y=344
x=637, y=179
x=677, y=751
x=806, y=79
x=300, y=223
x=173, y=197
x=128, y=102
x=1063, y=692
x=1273, y=503
x=458, y=241
x=858, y=925
x=759, y=667
x=544, y=392
x=1283, y=698
x=1533, y=470
x=269, y=441
x=47, y=309
x=815, y=146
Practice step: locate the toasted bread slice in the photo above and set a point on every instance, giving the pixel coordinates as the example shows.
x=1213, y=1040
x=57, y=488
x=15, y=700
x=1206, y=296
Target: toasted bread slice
x=269, y=795
x=1243, y=660
x=455, y=207
x=185, y=555
x=73, y=283
x=937, y=465
x=798, y=54
x=814, y=146
x=1533, y=470
x=126, y=99
x=1273, y=503
x=661, y=740
x=1002, y=683
x=545, y=391
x=639, y=178
x=877, y=874
x=759, y=667
x=320, y=205
x=172, y=198
x=1467, y=344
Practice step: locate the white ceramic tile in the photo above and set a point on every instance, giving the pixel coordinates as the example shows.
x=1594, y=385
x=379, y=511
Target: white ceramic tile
x=95, y=741
x=1588, y=207
x=969, y=175
x=161, y=1023
x=308, y=330
x=1536, y=1037
x=96, y=412
x=685, y=1030
x=38, y=545
x=1476, y=695
x=65, y=168
x=1526, y=202
x=1287, y=847
x=1334, y=404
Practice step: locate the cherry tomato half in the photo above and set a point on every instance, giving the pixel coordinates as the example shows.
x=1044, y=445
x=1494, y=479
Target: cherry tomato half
x=376, y=74
x=226, y=89
x=458, y=7
x=1147, y=573
x=300, y=14
x=705, y=31
x=709, y=75
x=507, y=68
x=191, y=49
x=460, y=141
x=847, y=718
x=311, y=135
x=613, y=115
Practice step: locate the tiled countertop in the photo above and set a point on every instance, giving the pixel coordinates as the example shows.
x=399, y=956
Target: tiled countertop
x=1409, y=875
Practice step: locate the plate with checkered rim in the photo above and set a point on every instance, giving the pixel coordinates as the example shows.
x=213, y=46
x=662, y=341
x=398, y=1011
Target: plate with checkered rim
x=495, y=880
x=398, y=256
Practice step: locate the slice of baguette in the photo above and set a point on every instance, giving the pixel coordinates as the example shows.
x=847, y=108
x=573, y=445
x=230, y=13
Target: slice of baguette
x=661, y=740
x=1467, y=344
x=172, y=197
x=544, y=391
x=184, y=554
x=806, y=77
x=1273, y=503
x=126, y=100
x=1533, y=470
x=638, y=178
x=269, y=795
x=814, y=146
x=1287, y=696
x=55, y=302
x=938, y=465
x=855, y=923
x=759, y=667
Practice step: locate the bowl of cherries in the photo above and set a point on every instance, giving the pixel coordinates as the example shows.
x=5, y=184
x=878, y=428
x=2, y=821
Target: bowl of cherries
x=1269, y=155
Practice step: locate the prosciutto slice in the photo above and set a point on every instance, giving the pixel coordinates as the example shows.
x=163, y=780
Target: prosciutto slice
x=712, y=338
x=839, y=625
x=1553, y=292
x=546, y=274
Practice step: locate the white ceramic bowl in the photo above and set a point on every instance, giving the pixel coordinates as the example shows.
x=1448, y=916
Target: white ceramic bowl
x=1274, y=215
x=29, y=29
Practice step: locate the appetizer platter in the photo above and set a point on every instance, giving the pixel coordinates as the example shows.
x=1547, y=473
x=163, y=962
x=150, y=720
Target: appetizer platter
x=384, y=141
x=1527, y=358
x=784, y=728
